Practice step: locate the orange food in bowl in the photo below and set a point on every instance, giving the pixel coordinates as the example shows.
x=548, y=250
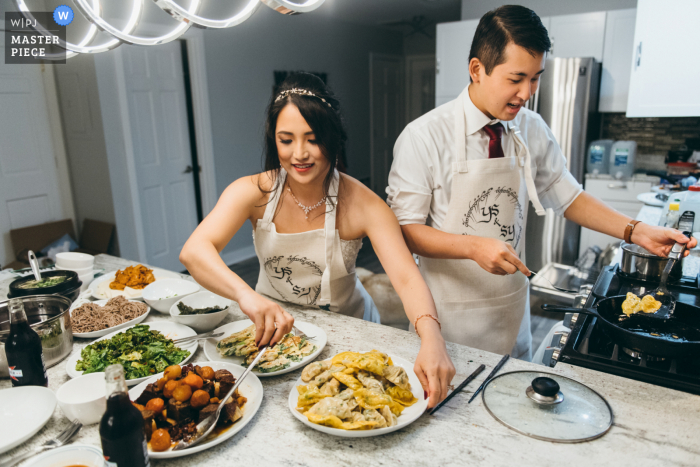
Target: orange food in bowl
x=182, y=393
x=156, y=405
x=199, y=399
x=194, y=381
x=170, y=387
x=160, y=440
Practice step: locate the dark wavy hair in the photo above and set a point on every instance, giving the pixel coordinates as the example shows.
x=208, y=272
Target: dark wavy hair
x=325, y=121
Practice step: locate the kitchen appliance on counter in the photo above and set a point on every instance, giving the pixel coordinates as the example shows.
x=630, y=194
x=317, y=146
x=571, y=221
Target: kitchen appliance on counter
x=588, y=346
x=567, y=100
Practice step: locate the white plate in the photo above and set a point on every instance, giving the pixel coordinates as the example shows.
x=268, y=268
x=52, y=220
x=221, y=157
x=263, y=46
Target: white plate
x=167, y=328
x=408, y=416
x=95, y=334
x=157, y=273
x=650, y=199
x=26, y=410
x=319, y=339
x=250, y=388
x=75, y=454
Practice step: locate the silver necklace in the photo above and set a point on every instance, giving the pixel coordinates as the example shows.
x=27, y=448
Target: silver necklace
x=307, y=209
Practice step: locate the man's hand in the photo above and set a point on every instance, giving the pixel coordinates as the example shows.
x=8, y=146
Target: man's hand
x=660, y=240
x=496, y=256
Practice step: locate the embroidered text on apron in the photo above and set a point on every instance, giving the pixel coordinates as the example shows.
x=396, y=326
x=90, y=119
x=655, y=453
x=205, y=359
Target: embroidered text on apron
x=293, y=267
x=489, y=199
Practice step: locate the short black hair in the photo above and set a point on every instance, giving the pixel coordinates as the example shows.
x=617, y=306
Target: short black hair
x=506, y=24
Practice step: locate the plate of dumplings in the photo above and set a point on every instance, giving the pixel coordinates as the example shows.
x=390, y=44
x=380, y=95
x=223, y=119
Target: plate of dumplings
x=358, y=394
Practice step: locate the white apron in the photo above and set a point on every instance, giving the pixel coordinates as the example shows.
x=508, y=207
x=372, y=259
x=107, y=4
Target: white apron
x=293, y=267
x=489, y=199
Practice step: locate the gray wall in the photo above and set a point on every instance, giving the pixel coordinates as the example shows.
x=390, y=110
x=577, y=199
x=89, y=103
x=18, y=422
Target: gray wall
x=240, y=65
x=474, y=9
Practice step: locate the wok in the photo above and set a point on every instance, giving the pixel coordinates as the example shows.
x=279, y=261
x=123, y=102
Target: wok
x=678, y=336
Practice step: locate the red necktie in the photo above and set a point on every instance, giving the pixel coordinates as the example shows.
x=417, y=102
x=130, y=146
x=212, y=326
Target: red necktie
x=495, y=131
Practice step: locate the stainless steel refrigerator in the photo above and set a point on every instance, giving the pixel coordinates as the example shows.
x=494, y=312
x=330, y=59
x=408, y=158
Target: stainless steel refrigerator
x=567, y=99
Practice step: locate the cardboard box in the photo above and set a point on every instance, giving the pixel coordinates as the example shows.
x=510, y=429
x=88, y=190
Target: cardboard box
x=94, y=239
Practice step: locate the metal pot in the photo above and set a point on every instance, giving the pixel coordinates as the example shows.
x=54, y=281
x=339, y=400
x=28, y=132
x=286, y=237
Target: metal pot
x=48, y=315
x=638, y=263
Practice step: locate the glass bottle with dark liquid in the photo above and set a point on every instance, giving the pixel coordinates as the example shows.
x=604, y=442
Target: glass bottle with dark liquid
x=121, y=428
x=25, y=357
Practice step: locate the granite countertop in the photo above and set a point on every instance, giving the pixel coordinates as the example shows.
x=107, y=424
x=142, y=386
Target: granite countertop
x=653, y=425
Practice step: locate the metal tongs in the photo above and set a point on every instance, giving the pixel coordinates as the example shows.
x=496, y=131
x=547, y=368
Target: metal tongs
x=661, y=293
x=207, y=425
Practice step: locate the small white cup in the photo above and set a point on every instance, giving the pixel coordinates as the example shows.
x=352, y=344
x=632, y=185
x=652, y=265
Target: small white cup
x=79, y=271
x=83, y=398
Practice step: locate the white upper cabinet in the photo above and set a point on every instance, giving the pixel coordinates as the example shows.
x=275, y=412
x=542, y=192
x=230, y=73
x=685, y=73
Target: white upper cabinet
x=453, y=43
x=666, y=63
x=580, y=35
x=617, y=56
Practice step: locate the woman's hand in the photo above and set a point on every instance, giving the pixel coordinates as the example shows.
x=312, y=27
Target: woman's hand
x=271, y=321
x=433, y=366
x=660, y=240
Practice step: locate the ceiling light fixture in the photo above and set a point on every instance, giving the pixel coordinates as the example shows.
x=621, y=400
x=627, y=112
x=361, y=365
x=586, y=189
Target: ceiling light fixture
x=180, y=14
x=288, y=7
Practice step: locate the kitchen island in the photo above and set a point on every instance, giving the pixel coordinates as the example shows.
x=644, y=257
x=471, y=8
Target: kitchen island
x=653, y=425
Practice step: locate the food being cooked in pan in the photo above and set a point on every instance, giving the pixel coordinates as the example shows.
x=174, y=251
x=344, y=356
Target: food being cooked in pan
x=242, y=344
x=183, y=397
x=633, y=304
x=355, y=391
x=136, y=277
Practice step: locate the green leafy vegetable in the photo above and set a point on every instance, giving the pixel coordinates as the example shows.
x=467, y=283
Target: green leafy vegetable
x=141, y=351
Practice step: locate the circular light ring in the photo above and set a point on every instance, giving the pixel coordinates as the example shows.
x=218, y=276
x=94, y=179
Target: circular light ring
x=287, y=7
x=128, y=38
x=38, y=27
x=180, y=14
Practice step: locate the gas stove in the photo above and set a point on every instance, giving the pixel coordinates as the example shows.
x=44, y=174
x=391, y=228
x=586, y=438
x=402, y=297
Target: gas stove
x=587, y=346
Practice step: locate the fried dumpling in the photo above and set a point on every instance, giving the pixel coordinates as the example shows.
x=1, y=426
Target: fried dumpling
x=309, y=395
x=347, y=394
x=398, y=376
x=372, y=415
x=391, y=419
x=347, y=380
x=332, y=387
x=371, y=362
x=402, y=396
x=368, y=399
x=321, y=379
x=314, y=369
x=369, y=382
x=343, y=356
x=331, y=406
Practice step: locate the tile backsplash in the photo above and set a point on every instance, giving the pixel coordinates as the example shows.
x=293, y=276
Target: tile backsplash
x=654, y=136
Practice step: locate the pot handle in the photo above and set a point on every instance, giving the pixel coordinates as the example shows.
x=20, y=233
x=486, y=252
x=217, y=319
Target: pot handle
x=569, y=309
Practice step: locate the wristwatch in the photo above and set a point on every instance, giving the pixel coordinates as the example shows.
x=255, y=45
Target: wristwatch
x=629, y=229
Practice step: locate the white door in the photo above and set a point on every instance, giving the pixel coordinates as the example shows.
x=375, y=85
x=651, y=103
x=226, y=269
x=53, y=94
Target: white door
x=579, y=35
x=454, y=40
x=617, y=56
x=155, y=91
x=386, y=115
x=29, y=186
x=665, y=66
x=420, y=85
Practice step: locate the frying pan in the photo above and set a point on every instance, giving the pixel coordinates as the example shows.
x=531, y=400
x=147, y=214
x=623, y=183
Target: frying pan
x=654, y=337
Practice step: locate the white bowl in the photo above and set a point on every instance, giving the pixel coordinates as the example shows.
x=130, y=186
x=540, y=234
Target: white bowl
x=86, y=279
x=73, y=455
x=72, y=259
x=163, y=293
x=203, y=299
x=79, y=271
x=83, y=398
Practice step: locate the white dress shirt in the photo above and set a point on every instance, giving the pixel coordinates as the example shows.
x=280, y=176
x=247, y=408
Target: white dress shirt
x=420, y=181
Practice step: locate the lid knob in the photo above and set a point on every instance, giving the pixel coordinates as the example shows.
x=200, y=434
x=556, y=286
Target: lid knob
x=544, y=386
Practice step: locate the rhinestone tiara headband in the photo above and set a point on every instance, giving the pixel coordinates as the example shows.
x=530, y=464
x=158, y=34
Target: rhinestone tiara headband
x=301, y=92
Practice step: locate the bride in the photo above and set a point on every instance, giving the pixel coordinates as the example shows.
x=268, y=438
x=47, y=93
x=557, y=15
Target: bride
x=309, y=219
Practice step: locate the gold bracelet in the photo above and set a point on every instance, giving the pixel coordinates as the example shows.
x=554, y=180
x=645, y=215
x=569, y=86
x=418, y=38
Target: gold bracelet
x=434, y=318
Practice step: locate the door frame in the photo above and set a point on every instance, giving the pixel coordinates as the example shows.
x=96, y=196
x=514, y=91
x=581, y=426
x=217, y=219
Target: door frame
x=401, y=116
x=120, y=150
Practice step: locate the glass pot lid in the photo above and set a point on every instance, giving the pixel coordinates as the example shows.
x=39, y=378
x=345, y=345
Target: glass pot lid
x=547, y=406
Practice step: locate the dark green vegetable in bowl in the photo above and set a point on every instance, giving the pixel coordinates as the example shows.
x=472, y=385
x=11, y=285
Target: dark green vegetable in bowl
x=43, y=283
x=188, y=310
x=141, y=351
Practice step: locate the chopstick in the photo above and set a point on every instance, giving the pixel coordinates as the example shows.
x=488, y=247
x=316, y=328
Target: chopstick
x=491, y=375
x=459, y=388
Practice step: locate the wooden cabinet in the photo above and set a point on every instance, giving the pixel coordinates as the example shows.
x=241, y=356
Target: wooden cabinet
x=452, y=68
x=619, y=195
x=617, y=59
x=665, y=67
x=579, y=35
